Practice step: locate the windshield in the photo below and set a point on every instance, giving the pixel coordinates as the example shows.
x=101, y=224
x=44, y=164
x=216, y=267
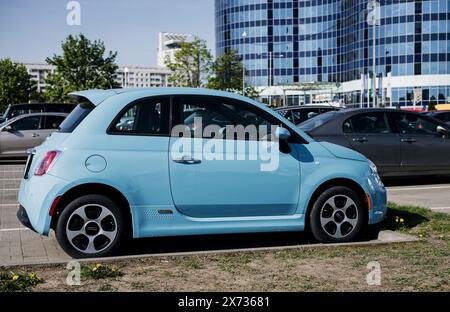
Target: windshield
x=5, y=114
x=317, y=121
x=76, y=117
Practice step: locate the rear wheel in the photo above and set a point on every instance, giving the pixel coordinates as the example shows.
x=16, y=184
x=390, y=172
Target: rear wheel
x=90, y=226
x=337, y=216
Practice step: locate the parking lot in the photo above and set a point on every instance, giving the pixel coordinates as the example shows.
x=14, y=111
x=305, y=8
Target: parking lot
x=19, y=245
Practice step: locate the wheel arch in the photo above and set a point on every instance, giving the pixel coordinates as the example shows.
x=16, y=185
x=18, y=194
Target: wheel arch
x=90, y=189
x=351, y=184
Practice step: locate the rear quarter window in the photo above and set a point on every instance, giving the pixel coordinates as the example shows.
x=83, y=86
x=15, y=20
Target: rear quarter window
x=76, y=117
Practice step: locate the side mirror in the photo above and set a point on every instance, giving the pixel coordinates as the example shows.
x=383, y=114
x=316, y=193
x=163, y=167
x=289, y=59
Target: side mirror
x=282, y=134
x=442, y=130
x=8, y=129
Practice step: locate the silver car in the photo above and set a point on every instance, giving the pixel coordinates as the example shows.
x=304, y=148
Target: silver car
x=27, y=131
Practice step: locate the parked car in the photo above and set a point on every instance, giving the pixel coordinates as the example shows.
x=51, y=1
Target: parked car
x=400, y=143
x=21, y=133
x=443, y=116
x=299, y=114
x=15, y=110
x=94, y=183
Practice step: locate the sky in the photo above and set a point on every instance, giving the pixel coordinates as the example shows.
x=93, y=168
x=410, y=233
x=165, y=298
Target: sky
x=31, y=30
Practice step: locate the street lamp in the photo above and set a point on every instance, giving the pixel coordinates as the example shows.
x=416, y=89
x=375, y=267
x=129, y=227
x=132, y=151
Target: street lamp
x=271, y=56
x=244, y=36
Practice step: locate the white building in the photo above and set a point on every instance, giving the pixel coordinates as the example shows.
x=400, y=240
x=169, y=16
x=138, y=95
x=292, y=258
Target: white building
x=39, y=73
x=142, y=77
x=169, y=44
x=126, y=76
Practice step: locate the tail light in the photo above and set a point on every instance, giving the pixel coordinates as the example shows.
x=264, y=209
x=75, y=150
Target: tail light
x=46, y=163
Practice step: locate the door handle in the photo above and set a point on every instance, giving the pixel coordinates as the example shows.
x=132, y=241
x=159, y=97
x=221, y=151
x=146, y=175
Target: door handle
x=35, y=135
x=187, y=160
x=409, y=140
x=361, y=140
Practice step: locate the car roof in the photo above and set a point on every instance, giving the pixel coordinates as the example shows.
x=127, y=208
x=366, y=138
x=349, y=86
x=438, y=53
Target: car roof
x=97, y=96
x=38, y=104
x=438, y=112
x=37, y=114
x=306, y=106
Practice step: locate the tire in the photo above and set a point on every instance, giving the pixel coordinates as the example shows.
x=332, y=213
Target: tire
x=337, y=216
x=97, y=233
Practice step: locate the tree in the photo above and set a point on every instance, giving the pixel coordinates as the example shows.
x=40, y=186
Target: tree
x=15, y=84
x=82, y=66
x=227, y=72
x=191, y=65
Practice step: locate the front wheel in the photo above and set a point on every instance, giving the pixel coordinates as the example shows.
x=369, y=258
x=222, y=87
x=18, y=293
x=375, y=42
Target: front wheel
x=337, y=216
x=90, y=226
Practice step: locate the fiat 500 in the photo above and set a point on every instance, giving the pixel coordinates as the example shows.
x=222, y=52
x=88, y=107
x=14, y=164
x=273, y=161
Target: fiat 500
x=170, y=162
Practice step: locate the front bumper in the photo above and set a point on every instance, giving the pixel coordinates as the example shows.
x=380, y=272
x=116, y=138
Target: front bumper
x=378, y=196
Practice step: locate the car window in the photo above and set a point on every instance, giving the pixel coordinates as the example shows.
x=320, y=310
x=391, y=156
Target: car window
x=375, y=123
x=76, y=117
x=53, y=122
x=22, y=111
x=413, y=124
x=317, y=121
x=286, y=114
x=198, y=114
x=445, y=117
x=27, y=123
x=148, y=116
x=302, y=115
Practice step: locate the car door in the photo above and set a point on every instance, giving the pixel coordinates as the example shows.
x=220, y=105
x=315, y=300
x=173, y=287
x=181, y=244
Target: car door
x=233, y=175
x=370, y=134
x=50, y=124
x=22, y=136
x=422, y=147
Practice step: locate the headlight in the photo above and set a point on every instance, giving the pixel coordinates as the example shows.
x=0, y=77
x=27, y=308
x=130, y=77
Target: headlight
x=373, y=167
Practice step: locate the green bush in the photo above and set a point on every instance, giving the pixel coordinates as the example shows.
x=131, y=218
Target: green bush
x=18, y=282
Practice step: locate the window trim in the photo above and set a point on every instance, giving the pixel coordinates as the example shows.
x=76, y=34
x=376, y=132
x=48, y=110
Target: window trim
x=112, y=125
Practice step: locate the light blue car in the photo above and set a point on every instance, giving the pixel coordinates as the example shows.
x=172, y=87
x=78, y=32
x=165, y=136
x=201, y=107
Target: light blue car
x=164, y=162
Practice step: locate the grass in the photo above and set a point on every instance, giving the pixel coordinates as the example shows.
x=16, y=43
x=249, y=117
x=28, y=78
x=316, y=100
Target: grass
x=419, y=266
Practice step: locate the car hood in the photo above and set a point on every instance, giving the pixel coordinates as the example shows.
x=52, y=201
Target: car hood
x=343, y=152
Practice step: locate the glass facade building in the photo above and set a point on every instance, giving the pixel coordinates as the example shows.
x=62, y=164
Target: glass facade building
x=289, y=42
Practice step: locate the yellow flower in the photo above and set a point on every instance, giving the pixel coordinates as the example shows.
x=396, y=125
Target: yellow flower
x=94, y=269
x=402, y=221
x=420, y=235
x=98, y=265
x=15, y=277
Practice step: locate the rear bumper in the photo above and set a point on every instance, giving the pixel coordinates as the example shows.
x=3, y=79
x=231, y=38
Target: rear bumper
x=36, y=196
x=22, y=216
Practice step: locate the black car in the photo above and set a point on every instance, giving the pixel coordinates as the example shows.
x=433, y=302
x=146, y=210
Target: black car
x=400, y=143
x=443, y=116
x=299, y=114
x=15, y=110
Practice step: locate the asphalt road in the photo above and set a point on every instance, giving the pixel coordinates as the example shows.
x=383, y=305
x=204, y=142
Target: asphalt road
x=429, y=192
